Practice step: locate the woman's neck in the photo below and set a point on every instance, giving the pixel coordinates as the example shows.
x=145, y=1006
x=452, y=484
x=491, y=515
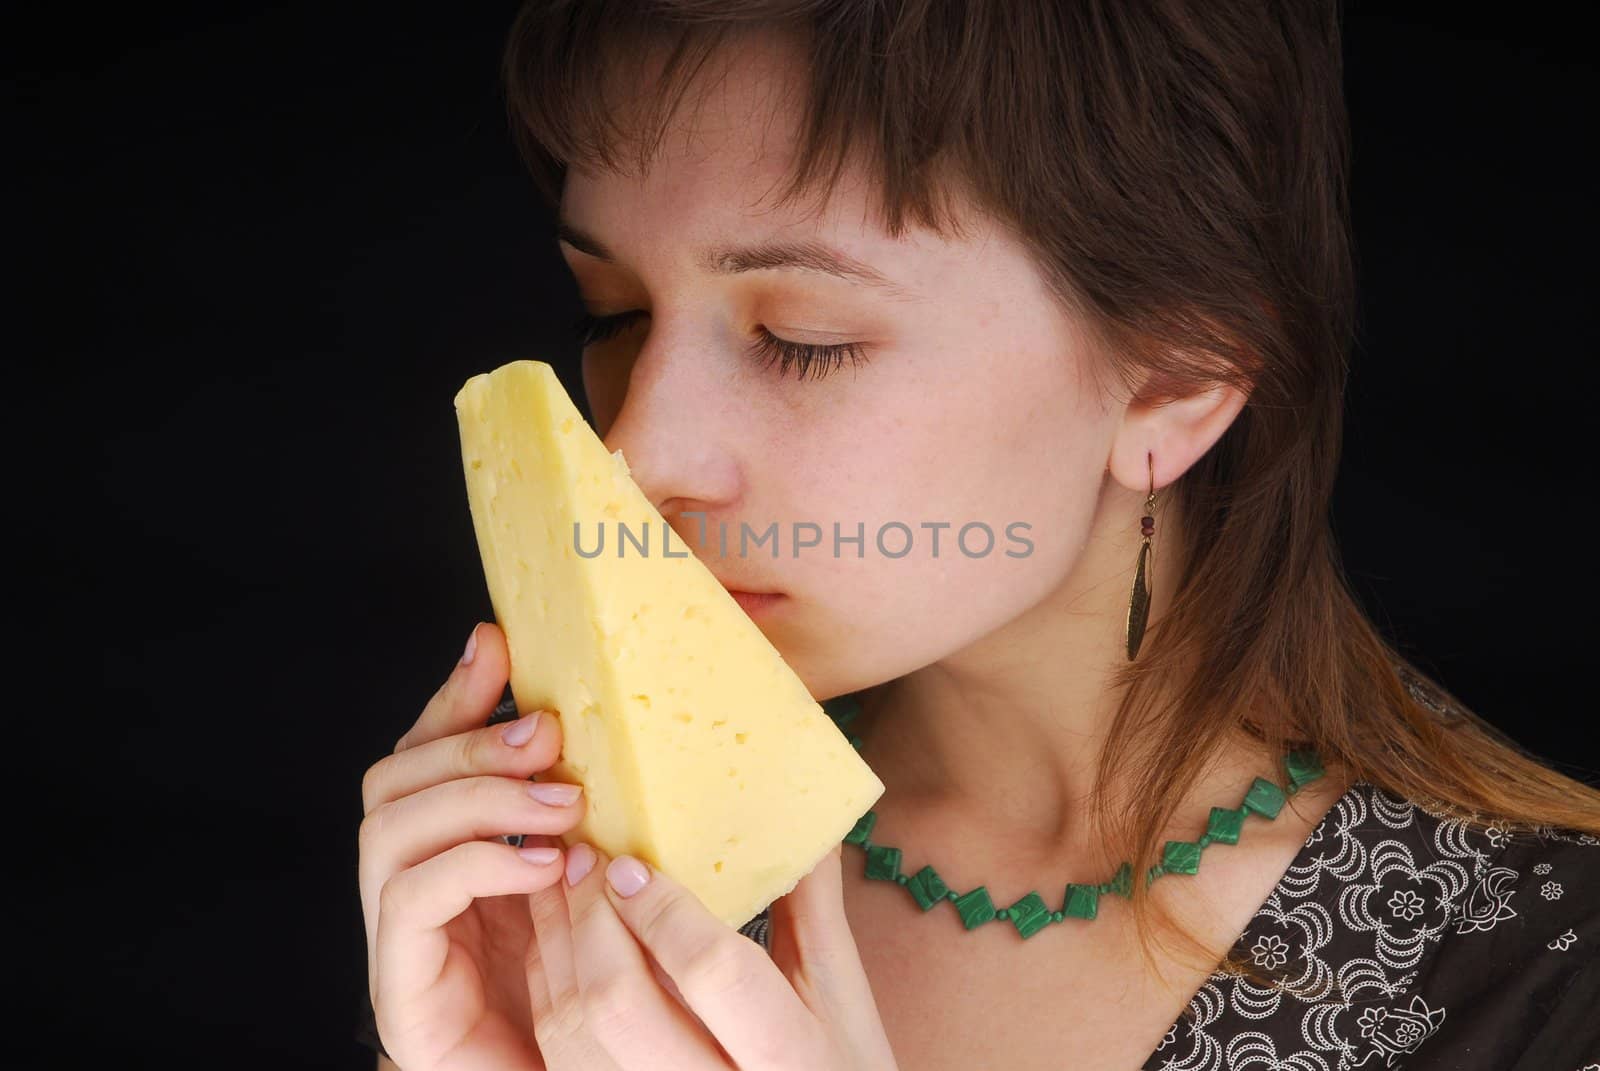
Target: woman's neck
x=1017, y=771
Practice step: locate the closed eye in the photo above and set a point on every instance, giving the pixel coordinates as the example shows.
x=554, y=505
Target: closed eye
x=766, y=349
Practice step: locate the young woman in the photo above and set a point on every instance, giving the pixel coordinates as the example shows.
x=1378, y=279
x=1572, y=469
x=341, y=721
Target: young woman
x=1077, y=274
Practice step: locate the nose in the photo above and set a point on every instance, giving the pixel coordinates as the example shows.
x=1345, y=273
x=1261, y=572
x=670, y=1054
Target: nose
x=675, y=429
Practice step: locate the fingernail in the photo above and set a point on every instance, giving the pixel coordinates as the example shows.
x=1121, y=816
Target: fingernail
x=580, y=860
x=540, y=856
x=627, y=875
x=472, y=647
x=521, y=731
x=560, y=795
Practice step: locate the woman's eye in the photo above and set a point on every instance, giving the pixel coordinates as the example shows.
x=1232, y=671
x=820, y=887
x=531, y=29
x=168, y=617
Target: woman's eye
x=588, y=330
x=767, y=349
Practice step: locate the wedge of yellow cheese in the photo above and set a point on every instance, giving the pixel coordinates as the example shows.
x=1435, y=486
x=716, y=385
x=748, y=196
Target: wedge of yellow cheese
x=699, y=749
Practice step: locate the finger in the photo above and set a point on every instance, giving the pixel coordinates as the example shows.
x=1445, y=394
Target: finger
x=410, y=946
x=813, y=946
x=726, y=980
x=533, y=958
x=548, y=963
x=811, y=940
x=413, y=828
x=548, y=960
x=506, y=750
x=551, y=953
x=469, y=695
x=636, y=1021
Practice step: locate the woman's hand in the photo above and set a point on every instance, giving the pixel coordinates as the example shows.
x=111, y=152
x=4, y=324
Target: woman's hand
x=446, y=908
x=478, y=959
x=716, y=1001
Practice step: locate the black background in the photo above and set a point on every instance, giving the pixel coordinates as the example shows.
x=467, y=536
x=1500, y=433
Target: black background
x=260, y=250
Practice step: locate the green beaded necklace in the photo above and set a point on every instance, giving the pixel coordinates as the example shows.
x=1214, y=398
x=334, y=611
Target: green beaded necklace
x=1030, y=914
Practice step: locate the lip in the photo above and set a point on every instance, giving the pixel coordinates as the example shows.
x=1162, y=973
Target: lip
x=754, y=602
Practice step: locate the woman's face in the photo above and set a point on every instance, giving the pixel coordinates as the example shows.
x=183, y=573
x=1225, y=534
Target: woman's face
x=973, y=401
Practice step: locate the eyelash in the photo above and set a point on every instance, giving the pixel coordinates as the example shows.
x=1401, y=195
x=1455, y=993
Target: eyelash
x=767, y=350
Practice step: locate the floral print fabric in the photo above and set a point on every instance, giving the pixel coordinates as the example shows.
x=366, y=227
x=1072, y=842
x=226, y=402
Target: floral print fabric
x=1404, y=939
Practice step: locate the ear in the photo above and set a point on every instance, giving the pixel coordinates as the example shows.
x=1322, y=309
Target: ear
x=1174, y=433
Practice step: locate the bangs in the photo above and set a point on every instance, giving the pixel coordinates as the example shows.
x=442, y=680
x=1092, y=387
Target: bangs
x=596, y=86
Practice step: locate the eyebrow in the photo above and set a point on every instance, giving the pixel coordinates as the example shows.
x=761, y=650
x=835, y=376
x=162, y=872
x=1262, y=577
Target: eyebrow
x=803, y=255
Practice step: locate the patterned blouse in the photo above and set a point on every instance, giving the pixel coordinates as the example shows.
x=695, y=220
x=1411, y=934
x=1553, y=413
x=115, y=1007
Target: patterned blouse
x=1408, y=942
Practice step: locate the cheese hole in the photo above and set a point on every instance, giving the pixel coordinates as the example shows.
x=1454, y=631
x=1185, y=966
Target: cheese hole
x=739, y=737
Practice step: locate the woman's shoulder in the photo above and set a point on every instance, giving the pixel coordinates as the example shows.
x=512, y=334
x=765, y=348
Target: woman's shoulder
x=1404, y=933
x=1478, y=874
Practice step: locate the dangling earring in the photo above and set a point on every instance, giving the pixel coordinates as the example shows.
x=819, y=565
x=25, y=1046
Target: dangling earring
x=1139, y=601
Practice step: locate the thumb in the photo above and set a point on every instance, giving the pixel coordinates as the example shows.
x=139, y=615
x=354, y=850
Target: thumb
x=812, y=943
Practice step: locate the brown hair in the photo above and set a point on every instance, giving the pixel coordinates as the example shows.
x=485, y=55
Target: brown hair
x=1178, y=171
